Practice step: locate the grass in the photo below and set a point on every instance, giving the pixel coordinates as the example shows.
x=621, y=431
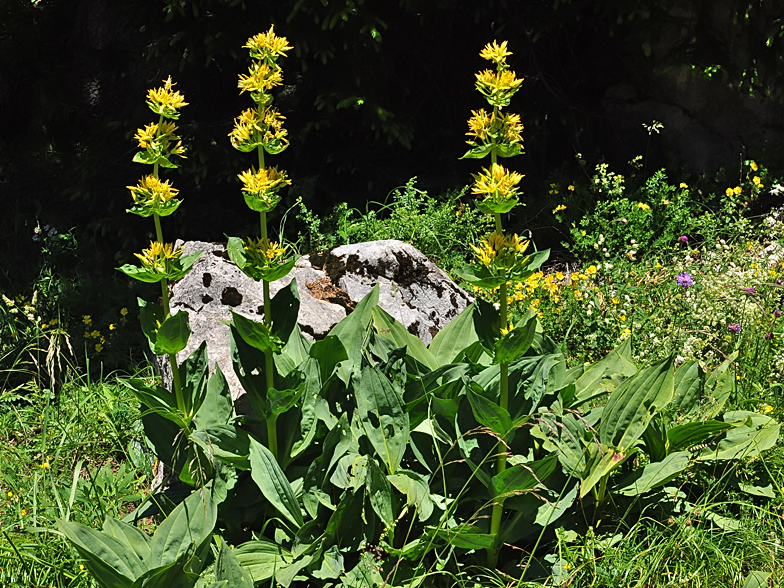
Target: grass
x=76, y=455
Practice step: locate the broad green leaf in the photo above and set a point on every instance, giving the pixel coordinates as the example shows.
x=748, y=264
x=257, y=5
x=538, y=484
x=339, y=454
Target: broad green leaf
x=689, y=383
x=133, y=537
x=256, y=334
x=273, y=484
x=227, y=443
x=383, y=416
x=227, y=567
x=280, y=401
x=479, y=322
x=654, y=474
x=634, y=403
x=217, y=408
x=151, y=316
x=189, y=526
x=765, y=491
x=380, y=494
x=688, y=435
x=353, y=331
x=105, y=557
x=549, y=512
x=284, y=308
x=719, y=386
x=332, y=565
x=157, y=398
x=365, y=574
x=262, y=558
x=329, y=352
x=752, y=433
x=523, y=477
x=514, y=344
x=389, y=328
x=600, y=462
x=308, y=421
x=173, y=334
x=249, y=365
x=756, y=579
x=181, y=573
x=194, y=374
x=592, y=382
x=416, y=489
x=489, y=414
x=466, y=536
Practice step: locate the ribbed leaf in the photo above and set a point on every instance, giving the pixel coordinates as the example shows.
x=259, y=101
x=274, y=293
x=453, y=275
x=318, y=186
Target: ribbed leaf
x=189, y=526
x=388, y=327
x=228, y=568
x=654, y=474
x=383, y=416
x=273, y=484
x=752, y=433
x=633, y=404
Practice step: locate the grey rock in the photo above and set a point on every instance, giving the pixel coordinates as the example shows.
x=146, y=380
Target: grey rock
x=412, y=289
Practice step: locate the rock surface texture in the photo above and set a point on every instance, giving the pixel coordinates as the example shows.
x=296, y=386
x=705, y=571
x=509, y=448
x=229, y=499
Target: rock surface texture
x=412, y=289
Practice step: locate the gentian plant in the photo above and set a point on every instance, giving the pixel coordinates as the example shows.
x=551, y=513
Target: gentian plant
x=501, y=259
x=260, y=129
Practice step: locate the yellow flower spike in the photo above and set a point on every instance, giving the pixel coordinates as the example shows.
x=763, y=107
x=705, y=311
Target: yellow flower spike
x=261, y=188
x=165, y=101
x=496, y=53
x=267, y=46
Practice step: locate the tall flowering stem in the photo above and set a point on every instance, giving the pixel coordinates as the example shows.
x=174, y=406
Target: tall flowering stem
x=261, y=128
x=153, y=197
x=500, y=258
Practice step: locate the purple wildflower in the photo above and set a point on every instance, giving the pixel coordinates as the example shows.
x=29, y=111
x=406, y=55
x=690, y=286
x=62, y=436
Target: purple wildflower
x=777, y=313
x=684, y=279
x=684, y=239
x=749, y=290
x=769, y=335
x=733, y=328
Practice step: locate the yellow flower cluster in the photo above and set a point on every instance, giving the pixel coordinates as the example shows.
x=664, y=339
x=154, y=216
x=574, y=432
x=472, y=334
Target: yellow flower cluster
x=487, y=126
x=497, y=184
x=159, y=258
x=166, y=101
x=267, y=46
x=499, y=86
x=261, y=187
x=151, y=191
x=499, y=251
x=259, y=126
x=160, y=140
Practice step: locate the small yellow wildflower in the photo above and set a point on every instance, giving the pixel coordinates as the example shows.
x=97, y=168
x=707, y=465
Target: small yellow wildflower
x=95, y=334
x=683, y=185
x=23, y=512
x=570, y=188
x=495, y=53
x=10, y=494
x=757, y=182
x=626, y=333
x=165, y=101
x=81, y=567
x=643, y=206
x=737, y=190
x=592, y=270
x=559, y=208
x=767, y=409
x=615, y=301
x=559, y=276
x=44, y=465
x=583, y=233
x=98, y=347
x=754, y=166
x=622, y=318
x=124, y=311
x=87, y=320
x=112, y=327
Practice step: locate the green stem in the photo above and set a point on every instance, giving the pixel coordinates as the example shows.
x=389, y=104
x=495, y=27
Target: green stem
x=272, y=431
x=498, y=507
